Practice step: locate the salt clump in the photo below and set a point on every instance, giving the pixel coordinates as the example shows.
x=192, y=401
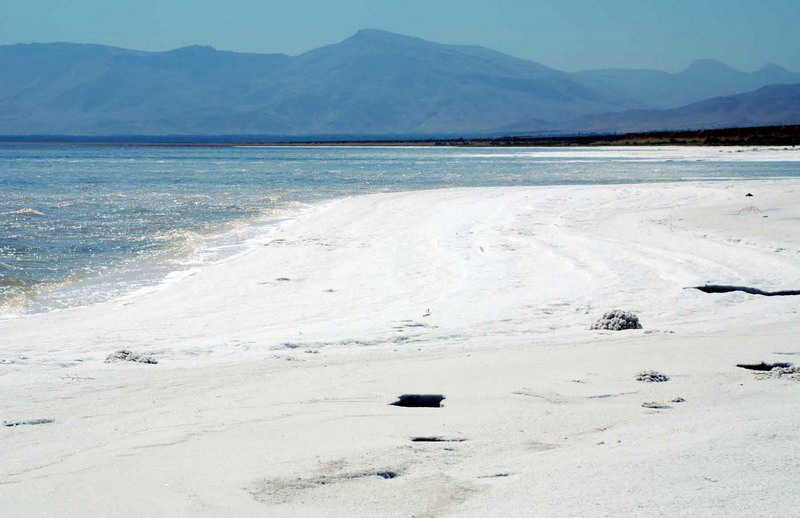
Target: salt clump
x=652, y=377
x=126, y=355
x=792, y=372
x=617, y=320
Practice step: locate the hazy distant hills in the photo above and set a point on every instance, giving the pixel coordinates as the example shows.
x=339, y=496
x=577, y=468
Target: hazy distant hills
x=374, y=83
x=703, y=79
x=773, y=105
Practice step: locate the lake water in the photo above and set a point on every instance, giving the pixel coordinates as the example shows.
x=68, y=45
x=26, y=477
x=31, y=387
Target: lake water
x=85, y=224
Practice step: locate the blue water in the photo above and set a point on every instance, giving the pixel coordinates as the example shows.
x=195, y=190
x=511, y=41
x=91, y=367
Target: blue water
x=83, y=224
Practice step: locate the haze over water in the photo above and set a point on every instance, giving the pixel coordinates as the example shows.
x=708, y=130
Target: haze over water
x=80, y=225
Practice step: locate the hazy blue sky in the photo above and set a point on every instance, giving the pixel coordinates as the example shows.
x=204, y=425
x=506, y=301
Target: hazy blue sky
x=565, y=34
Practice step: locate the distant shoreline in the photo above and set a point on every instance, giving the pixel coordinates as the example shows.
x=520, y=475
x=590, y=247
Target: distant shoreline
x=750, y=136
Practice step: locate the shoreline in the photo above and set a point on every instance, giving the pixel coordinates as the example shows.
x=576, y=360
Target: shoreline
x=268, y=384
x=186, y=265
x=746, y=136
x=169, y=270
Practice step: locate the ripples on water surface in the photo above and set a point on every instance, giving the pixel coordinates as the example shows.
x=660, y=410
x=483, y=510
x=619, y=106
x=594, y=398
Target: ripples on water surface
x=82, y=224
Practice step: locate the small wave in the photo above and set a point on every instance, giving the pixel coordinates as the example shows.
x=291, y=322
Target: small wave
x=11, y=282
x=183, y=242
x=16, y=304
x=178, y=234
x=17, y=300
x=27, y=211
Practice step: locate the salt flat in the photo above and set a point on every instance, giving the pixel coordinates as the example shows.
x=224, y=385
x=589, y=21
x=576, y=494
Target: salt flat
x=276, y=367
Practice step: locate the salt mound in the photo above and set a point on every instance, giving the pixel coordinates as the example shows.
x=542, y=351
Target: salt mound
x=792, y=373
x=617, y=320
x=652, y=377
x=125, y=355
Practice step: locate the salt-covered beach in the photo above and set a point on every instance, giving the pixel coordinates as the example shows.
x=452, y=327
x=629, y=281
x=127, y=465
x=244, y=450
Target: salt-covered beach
x=276, y=367
x=414, y=259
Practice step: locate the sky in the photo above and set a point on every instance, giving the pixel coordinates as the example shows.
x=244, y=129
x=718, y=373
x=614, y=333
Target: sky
x=565, y=34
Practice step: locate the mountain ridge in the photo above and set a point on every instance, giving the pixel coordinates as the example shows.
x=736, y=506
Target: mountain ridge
x=772, y=105
x=372, y=83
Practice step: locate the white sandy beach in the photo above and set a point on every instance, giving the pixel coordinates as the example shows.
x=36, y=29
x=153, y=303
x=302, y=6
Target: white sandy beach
x=271, y=396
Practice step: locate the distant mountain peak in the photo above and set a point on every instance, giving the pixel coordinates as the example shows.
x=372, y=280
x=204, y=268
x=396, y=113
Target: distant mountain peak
x=378, y=37
x=368, y=32
x=369, y=40
x=379, y=34
x=708, y=65
x=772, y=68
x=194, y=49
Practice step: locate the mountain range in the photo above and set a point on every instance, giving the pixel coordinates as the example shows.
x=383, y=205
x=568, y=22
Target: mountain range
x=774, y=105
x=373, y=84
